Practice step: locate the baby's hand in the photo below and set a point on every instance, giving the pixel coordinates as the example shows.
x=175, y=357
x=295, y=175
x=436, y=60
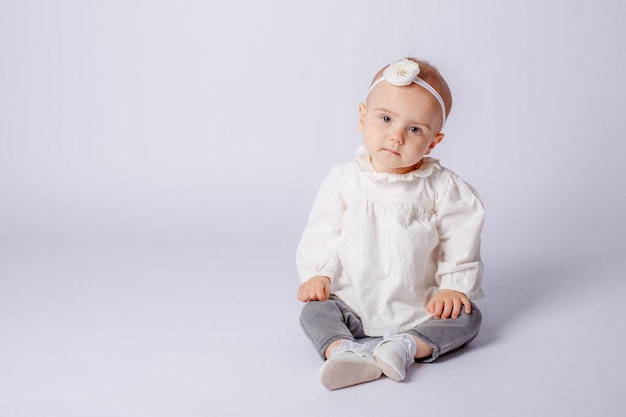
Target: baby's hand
x=448, y=303
x=315, y=289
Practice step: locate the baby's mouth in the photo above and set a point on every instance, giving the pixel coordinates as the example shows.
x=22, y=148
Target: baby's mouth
x=391, y=151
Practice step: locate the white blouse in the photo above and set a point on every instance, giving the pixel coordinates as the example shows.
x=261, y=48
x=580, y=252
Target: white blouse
x=389, y=242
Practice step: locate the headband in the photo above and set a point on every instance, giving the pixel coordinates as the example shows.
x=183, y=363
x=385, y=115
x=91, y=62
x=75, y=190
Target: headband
x=404, y=72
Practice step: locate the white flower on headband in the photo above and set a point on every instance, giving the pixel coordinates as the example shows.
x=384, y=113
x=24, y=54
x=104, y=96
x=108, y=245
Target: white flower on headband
x=401, y=72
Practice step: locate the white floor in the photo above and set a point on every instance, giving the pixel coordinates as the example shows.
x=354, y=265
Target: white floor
x=198, y=331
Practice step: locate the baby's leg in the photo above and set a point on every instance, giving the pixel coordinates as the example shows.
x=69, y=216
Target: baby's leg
x=396, y=353
x=329, y=322
x=436, y=336
x=424, y=350
x=332, y=346
x=332, y=324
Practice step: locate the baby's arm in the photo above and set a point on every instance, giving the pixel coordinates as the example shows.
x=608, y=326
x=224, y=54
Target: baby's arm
x=460, y=215
x=315, y=289
x=448, y=303
x=317, y=252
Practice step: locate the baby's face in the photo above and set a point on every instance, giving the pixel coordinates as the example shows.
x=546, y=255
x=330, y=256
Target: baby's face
x=400, y=125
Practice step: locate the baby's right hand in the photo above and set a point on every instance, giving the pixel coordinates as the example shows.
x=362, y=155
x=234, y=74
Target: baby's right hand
x=315, y=289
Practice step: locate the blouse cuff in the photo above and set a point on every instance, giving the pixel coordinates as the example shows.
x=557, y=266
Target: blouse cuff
x=307, y=275
x=461, y=282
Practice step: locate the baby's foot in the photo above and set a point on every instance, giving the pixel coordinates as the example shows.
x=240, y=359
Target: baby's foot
x=395, y=354
x=349, y=364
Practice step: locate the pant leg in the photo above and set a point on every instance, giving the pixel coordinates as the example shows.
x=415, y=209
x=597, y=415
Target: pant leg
x=327, y=321
x=447, y=335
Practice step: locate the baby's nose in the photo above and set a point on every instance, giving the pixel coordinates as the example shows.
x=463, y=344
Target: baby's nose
x=397, y=137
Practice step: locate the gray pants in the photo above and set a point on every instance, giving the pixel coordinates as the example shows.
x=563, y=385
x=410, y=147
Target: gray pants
x=327, y=321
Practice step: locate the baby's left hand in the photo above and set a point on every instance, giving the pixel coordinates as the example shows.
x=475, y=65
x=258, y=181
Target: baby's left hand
x=448, y=303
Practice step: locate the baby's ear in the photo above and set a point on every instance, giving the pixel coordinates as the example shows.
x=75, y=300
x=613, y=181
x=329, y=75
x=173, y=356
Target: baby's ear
x=362, y=111
x=438, y=138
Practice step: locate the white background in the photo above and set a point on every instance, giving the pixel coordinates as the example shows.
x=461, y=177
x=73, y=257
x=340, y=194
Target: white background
x=158, y=160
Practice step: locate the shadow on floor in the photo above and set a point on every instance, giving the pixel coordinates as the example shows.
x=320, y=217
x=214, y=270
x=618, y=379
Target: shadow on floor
x=513, y=289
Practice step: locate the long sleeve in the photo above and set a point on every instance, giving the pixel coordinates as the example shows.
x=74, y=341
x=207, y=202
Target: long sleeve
x=317, y=251
x=460, y=216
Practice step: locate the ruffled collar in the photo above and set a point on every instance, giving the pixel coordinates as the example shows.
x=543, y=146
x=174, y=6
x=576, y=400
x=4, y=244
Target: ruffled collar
x=365, y=165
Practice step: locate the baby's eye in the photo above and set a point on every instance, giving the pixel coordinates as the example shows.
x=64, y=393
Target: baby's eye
x=415, y=130
x=385, y=119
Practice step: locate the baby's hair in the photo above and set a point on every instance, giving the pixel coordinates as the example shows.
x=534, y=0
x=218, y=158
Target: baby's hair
x=430, y=74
